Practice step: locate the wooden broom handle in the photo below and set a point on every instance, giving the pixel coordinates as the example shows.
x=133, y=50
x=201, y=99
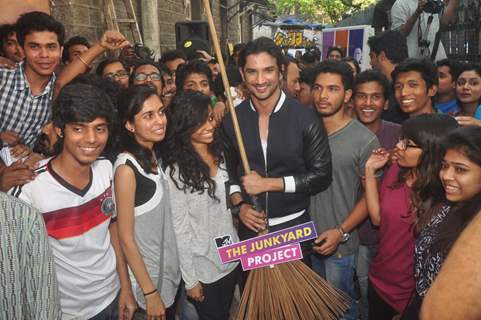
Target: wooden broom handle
x=225, y=81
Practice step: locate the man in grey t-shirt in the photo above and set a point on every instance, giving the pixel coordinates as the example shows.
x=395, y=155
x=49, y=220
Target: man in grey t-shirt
x=339, y=209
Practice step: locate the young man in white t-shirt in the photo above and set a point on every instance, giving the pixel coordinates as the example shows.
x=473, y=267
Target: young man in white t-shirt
x=73, y=192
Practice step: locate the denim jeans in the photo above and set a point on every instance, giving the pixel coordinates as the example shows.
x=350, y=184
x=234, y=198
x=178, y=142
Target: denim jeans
x=186, y=309
x=111, y=312
x=339, y=271
x=365, y=256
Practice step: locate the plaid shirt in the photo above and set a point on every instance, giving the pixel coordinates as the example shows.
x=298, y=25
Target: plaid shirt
x=20, y=111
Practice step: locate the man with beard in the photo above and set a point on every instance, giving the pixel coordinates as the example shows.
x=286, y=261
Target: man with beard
x=292, y=78
x=286, y=145
x=339, y=209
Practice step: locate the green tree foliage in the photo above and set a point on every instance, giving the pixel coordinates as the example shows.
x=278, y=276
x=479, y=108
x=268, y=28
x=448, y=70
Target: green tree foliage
x=319, y=10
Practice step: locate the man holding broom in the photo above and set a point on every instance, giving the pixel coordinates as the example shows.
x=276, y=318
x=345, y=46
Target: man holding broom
x=286, y=145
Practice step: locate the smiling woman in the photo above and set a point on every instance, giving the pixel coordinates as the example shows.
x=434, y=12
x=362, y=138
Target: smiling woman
x=452, y=207
x=391, y=278
x=197, y=180
x=141, y=195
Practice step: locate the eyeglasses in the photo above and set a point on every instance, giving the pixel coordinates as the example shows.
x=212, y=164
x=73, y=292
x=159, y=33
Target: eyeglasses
x=154, y=76
x=404, y=144
x=374, y=97
x=120, y=75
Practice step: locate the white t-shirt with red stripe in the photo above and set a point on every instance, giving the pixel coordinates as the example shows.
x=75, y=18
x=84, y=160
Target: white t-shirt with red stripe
x=77, y=223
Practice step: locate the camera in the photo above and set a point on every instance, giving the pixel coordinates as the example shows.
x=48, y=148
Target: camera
x=434, y=6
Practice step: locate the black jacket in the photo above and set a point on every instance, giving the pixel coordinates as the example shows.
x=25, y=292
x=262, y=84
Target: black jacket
x=297, y=145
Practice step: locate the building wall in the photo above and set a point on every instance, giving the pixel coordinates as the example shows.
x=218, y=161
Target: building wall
x=86, y=18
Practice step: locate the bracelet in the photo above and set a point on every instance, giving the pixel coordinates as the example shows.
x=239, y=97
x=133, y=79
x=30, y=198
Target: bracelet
x=83, y=61
x=149, y=293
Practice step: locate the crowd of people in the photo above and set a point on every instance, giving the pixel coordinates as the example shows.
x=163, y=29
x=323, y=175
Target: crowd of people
x=116, y=182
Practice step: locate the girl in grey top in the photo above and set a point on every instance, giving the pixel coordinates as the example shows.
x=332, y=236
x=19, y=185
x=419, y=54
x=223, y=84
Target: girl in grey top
x=193, y=154
x=142, y=200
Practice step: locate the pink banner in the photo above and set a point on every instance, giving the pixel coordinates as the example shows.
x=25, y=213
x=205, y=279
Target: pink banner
x=262, y=244
x=270, y=257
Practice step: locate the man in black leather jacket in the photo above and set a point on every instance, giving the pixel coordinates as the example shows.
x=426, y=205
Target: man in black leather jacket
x=286, y=145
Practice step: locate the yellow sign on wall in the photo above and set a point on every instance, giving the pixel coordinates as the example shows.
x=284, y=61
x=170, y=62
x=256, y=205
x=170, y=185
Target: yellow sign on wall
x=292, y=39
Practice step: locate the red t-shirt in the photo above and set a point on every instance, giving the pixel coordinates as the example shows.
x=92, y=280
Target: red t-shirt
x=391, y=272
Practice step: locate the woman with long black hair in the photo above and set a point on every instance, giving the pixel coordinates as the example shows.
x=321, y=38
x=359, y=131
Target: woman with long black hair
x=452, y=206
x=468, y=93
x=142, y=201
x=197, y=179
x=391, y=279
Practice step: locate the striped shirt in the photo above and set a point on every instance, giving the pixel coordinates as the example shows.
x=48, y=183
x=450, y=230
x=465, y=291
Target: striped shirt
x=28, y=284
x=20, y=111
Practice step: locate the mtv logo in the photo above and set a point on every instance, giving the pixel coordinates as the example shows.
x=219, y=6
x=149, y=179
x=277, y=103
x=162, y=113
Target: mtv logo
x=223, y=241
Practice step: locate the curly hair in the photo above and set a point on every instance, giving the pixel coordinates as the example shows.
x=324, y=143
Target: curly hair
x=188, y=112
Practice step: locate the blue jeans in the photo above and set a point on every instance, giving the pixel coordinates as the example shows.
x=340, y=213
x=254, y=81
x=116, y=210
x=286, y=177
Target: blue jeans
x=365, y=256
x=111, y=312
x=340, y=273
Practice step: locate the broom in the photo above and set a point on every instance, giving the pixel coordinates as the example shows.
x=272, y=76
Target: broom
x=285, y=291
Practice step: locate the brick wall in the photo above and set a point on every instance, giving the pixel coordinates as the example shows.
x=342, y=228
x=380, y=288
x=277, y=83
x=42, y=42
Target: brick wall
x=86, y=18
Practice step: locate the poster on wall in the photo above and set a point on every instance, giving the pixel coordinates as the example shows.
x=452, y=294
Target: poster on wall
x=11, y=10
x=352, y=40
x=296, y=38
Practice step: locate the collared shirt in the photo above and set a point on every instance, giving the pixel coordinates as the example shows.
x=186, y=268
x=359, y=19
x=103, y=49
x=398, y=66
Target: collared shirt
x=28, y=284
x=20, y=111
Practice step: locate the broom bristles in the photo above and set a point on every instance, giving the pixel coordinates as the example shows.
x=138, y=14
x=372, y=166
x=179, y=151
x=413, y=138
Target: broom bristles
x=290, y=291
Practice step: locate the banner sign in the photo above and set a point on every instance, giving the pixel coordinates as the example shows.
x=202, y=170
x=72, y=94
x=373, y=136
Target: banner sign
x=269, y=249
x=293, y=39
x=351, y=40
x=269, y=257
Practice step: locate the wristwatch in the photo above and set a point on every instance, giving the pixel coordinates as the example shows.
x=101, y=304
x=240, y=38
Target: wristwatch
x=345, y=236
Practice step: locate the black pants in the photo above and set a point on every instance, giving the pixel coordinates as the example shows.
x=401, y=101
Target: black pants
x=378, y=308
x=217, y=298
x=413, y=308
x=111, y=312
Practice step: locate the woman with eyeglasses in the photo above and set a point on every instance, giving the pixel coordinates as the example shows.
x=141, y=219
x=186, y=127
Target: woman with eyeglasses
x=468, y=93
x=446, y=209
x=114, y=69
x=416, y=156
x=148, y=73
